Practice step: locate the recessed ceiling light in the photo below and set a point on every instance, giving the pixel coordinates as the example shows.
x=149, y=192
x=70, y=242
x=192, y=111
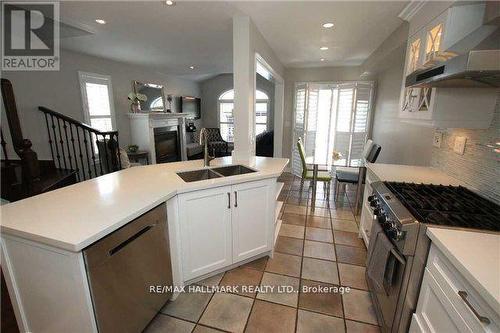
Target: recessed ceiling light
x=328, y=25
x=323, y=48
x=169, y=3
x=191, y=67
x=322, y=59
x=100, y=21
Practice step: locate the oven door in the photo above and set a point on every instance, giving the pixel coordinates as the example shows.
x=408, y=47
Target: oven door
x=384, y=273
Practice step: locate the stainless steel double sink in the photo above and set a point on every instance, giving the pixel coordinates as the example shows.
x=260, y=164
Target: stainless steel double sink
x=218, y=172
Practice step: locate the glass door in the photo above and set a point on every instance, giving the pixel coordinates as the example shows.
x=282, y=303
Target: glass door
x=331, y=117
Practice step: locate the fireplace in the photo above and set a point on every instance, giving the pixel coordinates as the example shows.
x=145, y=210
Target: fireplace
x=167, y=144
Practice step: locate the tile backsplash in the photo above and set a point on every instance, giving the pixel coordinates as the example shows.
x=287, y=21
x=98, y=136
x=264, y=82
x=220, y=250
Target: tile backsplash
x=479, y=166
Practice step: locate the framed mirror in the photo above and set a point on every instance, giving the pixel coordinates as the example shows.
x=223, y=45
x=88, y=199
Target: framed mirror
x=155, y=97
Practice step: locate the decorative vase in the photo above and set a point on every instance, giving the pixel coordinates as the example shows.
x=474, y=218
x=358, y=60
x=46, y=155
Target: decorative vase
x=135, y=107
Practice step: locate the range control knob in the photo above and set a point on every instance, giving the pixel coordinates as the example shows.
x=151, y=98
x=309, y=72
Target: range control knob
x=381, y=218
x=391, y=233
x=386, y=225
x=371, y=198
x=374, y=203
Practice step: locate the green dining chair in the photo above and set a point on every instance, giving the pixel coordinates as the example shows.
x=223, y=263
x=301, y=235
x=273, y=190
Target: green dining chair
x=307, y=173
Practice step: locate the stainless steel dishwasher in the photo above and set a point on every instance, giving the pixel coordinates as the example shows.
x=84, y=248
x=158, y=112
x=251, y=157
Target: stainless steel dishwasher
x=121, y=268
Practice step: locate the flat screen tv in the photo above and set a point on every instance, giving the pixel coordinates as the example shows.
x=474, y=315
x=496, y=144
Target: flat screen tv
x=191, y=106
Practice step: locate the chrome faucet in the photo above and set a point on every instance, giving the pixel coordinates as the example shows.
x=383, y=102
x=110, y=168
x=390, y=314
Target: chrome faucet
x=203, y=141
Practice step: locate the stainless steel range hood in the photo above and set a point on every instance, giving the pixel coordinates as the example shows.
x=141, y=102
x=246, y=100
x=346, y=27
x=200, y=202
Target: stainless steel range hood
x=475, y=69
x=478, y=62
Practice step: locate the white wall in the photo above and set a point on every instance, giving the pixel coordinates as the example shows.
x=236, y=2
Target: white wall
x=60, y=91
x=212, y=88
x=401, y=143
x=293, y=75
x=247, y=43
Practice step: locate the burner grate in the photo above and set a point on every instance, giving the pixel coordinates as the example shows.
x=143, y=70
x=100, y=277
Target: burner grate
x=447, y=205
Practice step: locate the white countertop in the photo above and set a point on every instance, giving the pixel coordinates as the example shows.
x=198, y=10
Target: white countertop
x=476, y=255
x=411, y=174
x=76, y=216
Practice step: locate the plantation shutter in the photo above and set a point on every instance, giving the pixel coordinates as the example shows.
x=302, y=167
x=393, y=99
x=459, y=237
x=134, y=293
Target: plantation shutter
x=361, y=121
x=299, y=125
x=332, y=116
x=343, y=123
x=311, y=120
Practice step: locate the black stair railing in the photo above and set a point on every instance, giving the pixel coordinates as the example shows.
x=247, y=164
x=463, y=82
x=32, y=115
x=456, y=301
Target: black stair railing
x=77, y=146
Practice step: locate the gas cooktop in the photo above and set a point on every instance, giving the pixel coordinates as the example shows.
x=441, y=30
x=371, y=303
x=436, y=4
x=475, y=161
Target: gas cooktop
x=447, y=205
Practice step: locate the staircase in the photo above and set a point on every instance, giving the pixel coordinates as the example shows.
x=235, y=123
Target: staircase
x=79, y=152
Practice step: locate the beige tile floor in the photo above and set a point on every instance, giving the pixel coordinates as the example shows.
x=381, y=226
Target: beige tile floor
x=315, y=248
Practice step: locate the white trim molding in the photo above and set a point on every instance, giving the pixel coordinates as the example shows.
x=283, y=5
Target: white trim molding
x=410, y=10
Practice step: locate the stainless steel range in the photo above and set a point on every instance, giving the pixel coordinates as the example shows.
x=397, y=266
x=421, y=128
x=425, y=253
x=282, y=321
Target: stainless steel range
x=399, y=246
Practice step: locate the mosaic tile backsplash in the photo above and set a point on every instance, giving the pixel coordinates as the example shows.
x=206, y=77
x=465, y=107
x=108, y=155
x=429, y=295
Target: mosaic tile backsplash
x=479, y=166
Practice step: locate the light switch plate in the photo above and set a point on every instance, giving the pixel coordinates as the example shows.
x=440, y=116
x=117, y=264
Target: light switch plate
x=438, y=138
x=459, y=146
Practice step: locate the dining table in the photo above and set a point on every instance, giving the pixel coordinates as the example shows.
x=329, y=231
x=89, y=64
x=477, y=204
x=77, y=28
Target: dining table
x=316, y=167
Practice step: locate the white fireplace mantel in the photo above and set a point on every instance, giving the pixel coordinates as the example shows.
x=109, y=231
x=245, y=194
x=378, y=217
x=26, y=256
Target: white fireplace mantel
x=142, y=127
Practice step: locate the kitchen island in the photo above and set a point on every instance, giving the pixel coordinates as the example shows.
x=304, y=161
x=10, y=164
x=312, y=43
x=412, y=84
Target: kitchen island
x=43, y=236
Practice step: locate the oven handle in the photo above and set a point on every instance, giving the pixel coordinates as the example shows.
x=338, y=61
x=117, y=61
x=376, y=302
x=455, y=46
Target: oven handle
x=390, y=269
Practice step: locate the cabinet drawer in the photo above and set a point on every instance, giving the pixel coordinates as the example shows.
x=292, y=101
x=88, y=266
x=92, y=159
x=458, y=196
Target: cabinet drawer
x=365, y=225
x=366, y=211
x=461, y=294
x=435, y=312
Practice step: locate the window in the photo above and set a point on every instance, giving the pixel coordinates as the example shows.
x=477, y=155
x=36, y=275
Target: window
x=328, y=117
x=157, y=104
x=97, y=97
x=226, y=118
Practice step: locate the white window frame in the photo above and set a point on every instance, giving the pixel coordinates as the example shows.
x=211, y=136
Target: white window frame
x=87, y=77
x=220, y=101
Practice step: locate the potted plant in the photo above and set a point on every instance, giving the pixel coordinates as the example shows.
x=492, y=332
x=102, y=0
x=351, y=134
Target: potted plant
x=132, y=148
x=135, y=101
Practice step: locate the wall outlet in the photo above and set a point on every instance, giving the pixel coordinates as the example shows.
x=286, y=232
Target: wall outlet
x=438, y=138
x=459, y=146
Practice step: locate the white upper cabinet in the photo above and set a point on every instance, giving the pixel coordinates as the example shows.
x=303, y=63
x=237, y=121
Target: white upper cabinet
x=418, y=103
x=456, y=29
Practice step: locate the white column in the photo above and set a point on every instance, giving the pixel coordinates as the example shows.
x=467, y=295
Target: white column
x=279, y=95
x=244, y=89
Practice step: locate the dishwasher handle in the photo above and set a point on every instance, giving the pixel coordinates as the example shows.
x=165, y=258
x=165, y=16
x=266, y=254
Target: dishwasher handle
x=129, y=240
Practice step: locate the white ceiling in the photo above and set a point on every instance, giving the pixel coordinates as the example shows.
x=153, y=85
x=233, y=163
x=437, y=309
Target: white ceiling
x=294, y=29
x=169, y=39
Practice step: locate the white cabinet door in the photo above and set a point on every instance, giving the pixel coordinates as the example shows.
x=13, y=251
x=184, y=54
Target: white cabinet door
x=435, y=312
x=252, y=219
x=205, y=226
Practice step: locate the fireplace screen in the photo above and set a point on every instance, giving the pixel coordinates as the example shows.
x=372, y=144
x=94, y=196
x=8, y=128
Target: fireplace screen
x=167, y=144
